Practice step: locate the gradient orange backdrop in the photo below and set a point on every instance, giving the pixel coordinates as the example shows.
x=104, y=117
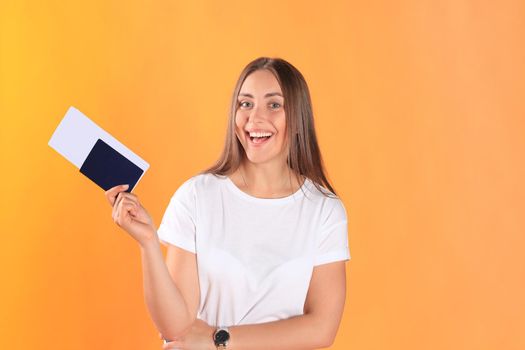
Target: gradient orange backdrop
x=420, y=115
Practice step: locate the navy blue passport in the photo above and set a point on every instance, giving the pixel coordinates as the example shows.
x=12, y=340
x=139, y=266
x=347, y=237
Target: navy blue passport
x=108, y=168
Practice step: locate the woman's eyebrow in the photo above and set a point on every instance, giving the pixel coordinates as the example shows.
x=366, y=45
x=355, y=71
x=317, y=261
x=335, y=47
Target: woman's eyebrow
x=245, y=94
x=270, y=94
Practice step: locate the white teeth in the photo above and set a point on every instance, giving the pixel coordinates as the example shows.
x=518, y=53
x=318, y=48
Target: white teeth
x=260, y=134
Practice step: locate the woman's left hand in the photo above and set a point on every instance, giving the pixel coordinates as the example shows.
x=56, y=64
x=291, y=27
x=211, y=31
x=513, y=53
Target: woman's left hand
x=199, y=337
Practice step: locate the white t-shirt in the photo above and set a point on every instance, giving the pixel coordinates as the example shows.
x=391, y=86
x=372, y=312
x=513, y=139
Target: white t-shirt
x=255, y=256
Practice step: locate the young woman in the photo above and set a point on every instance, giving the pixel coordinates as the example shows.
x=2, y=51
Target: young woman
x=256, y=244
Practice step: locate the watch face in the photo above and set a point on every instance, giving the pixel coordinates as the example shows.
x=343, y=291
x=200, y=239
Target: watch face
x=221, y=337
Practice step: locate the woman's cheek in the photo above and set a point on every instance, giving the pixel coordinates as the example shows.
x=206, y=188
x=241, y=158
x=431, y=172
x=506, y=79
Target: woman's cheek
x=238, y=127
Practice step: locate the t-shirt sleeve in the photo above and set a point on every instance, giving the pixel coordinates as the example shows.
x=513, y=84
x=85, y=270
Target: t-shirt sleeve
x=179, y=221
x=332, y=242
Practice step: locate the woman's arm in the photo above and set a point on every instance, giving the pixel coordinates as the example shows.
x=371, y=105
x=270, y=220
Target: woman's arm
x=170, y=288
x=318, y=326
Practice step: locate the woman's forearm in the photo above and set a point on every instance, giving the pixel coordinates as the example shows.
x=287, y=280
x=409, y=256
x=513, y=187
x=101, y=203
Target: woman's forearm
x=299, y=332
x=165, y=303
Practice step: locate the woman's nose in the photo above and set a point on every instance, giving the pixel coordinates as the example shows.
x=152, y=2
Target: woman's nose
x=255, y=114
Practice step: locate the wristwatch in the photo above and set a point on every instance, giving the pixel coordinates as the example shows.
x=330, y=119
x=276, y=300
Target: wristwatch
x=221, y=337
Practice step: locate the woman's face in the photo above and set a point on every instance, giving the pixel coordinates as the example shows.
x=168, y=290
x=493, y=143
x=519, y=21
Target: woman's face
x=260, y=122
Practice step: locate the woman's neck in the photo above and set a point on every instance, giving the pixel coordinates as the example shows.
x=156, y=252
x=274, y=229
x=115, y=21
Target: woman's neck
x=265, y=180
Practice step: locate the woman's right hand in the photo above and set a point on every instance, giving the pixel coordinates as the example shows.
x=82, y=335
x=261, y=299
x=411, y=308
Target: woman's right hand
x=130, y=215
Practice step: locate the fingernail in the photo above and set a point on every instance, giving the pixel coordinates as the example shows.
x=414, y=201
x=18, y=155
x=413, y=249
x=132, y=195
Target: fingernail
x=125, y=186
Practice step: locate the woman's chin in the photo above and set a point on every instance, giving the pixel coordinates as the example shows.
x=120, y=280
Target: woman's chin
x=256, y=158
x=260, y=155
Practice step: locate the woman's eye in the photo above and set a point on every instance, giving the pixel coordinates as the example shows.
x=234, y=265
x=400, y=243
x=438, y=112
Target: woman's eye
x=245, y=104
x=275, y=105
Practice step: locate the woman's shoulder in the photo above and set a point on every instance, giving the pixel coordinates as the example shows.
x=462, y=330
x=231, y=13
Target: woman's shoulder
x=318, y=191
x=206, y=180
x=325, y=199
x=201, y=181
x=189, y=189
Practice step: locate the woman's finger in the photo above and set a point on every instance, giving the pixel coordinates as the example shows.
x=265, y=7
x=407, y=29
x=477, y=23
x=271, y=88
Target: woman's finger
x=112, y=193
x=132, y=196
x=116, y=201
x=117, y=197
x=126, y=201
x=126, y=196
x=120, y=197
x=125, y=205
x=126, y=208
x=117, y=207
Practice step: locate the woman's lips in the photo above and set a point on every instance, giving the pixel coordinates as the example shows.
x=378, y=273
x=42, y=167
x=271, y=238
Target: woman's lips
x=258, y=141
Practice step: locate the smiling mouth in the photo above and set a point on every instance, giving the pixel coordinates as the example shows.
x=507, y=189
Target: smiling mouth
x=259, y=139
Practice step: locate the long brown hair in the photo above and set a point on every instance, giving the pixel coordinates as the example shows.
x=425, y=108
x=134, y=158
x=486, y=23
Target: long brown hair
x=304, y=156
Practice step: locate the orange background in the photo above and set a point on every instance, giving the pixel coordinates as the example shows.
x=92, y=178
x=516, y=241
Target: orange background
x=420, y=116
